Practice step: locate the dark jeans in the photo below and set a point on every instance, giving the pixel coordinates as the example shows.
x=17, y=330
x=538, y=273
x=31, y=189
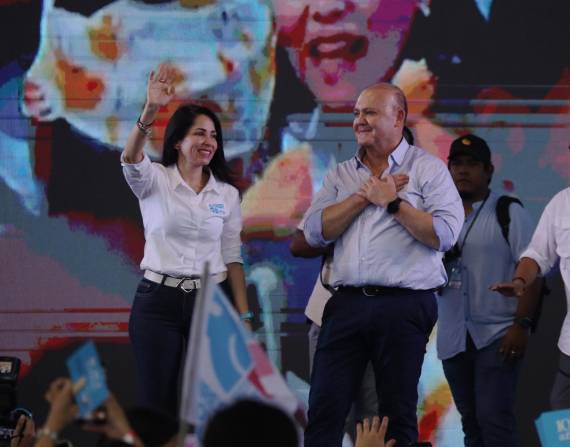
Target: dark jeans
x=391, y=332
x=560, y=395
x=484, y=386
x=159, y=328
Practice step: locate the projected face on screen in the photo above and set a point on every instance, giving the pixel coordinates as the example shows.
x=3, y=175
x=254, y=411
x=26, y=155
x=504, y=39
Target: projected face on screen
x=339, y=48
x=92, y=70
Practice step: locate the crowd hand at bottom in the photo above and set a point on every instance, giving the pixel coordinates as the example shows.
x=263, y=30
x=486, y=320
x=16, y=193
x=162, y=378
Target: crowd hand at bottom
x=63, y=409
x=116, y=424
x=24, y=433
x=373, y=434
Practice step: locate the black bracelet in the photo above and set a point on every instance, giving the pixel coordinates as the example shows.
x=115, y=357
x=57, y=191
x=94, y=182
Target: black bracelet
x=524, y=322
x=144, y=128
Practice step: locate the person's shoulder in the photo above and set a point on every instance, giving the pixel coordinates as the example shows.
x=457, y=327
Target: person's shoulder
x=561, y=197
x=495, y=197
x=427, y=157
x=516, y=208
x=559, y=204
x=342, y=167
x=426, y=164
x=158, y=166
x=346, y=164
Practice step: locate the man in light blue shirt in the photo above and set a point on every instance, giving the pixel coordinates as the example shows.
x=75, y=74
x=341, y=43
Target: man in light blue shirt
x=387, y=263
x=481, y=334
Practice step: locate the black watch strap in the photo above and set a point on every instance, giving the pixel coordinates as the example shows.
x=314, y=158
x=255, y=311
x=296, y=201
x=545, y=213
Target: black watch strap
x=394, y=206
x=524, y=322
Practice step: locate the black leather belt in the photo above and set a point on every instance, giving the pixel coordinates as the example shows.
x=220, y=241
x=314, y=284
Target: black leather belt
x=383, y=290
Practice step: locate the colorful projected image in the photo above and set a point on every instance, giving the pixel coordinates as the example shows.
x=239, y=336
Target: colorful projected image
x=89, y=70
x=283, y=76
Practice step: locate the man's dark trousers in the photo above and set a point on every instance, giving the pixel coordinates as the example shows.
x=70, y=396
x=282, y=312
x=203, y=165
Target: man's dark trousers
x=390, y=329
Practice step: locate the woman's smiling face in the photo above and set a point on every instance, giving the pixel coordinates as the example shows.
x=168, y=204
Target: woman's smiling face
x=200, y=144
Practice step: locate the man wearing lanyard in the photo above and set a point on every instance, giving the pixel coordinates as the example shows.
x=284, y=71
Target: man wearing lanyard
x=387, y=262
x=481, y=335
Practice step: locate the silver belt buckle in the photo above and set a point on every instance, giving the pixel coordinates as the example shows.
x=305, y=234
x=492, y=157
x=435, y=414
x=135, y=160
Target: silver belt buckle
x=371, y=290
x=195, y=284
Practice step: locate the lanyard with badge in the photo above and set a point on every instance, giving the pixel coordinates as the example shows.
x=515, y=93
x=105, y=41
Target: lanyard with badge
x=452, y=260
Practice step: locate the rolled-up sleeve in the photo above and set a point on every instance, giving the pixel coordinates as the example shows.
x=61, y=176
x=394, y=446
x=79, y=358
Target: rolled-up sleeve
x=542, y=247
x=231, y=239
x=139, y=176
x=444, y=233
x=443, y=202
x=327, y=196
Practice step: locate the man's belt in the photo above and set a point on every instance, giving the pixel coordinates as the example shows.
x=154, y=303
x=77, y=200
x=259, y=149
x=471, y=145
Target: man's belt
x=371, y=290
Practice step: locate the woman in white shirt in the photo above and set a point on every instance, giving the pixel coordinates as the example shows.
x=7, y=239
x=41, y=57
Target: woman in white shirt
x=191, y=215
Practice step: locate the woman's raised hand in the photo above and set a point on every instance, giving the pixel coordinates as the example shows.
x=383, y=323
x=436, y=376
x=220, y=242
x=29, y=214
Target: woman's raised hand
x=160, y=87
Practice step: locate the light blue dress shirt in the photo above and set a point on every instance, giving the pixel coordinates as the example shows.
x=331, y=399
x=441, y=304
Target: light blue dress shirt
x=486, y=259
x=376, y=249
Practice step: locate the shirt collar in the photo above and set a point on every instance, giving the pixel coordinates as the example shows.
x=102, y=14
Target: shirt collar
x=397, y=156
x=213, y=183
x=174, y=176
x=176, y=179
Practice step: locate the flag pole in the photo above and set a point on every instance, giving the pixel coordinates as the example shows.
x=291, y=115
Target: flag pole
x=192, y=356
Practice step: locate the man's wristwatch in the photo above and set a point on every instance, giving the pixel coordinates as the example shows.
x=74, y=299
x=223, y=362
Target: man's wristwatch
x=394, y=206
x=524, y=322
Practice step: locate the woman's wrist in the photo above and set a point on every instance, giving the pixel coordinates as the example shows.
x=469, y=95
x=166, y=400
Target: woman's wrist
x=148, y=114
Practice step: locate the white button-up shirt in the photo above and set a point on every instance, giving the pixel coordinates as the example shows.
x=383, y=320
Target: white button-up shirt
x=183, y=230
x=550, y=243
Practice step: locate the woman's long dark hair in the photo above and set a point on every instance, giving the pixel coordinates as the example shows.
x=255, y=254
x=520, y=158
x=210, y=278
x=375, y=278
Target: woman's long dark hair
x=177, y=128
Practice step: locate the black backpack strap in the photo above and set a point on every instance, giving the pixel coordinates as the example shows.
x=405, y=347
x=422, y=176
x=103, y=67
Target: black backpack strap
x=503, y=216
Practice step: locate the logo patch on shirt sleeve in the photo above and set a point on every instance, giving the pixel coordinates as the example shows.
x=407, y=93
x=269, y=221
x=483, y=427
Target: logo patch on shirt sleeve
x=216, y=208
